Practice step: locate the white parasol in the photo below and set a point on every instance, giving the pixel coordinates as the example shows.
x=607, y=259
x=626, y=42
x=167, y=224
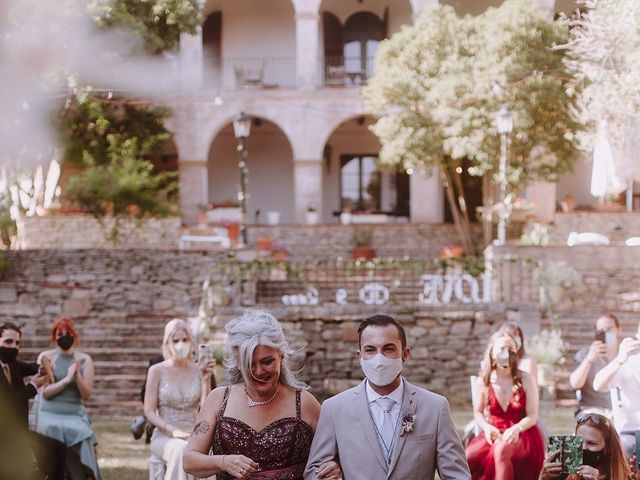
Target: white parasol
x=603, y=176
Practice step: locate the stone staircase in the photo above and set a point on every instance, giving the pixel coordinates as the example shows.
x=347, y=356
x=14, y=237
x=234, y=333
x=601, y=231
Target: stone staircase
x=121, y=346
x=578, y=330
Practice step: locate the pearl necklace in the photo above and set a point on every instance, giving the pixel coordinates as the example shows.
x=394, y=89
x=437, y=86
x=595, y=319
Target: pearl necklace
x=255, y=403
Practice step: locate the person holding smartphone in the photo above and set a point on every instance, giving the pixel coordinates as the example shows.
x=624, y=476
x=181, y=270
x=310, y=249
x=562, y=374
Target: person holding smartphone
x=623, y=373
x=590, y=360
x=602, y=454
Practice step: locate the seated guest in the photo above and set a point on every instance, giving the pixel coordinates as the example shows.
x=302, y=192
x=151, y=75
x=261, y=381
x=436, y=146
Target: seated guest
x=590, y=360
x=261, y=426
x=175, y=389
x=602, y=455
x=624, y=373
x=511, y=446
x=525, y=362
x=63, y=415
x=15, y=396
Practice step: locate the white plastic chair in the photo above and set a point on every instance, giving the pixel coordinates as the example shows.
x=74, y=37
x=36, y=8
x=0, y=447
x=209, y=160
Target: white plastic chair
x=34, y=411
x=587, y=238
x=156, y=468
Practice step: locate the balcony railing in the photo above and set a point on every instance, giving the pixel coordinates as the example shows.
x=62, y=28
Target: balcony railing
x=347, y=71
x=249, y=72
x=231, y=73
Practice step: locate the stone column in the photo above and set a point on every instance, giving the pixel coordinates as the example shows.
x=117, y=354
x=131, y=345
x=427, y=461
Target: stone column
x=308, y=49
x=190, y=60
x=307, y=187
x=194, y=188
x=427, y=198
x=543, y=195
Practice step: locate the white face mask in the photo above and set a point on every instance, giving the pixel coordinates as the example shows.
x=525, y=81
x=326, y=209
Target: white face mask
x=182, y=350
x=381, y=370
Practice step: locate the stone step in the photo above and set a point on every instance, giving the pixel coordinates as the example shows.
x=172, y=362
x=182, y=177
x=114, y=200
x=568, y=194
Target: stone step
x=115, y=354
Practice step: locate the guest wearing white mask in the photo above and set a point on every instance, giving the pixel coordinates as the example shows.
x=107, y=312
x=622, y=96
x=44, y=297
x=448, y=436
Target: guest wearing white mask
x=386, y=428
x=174, y=391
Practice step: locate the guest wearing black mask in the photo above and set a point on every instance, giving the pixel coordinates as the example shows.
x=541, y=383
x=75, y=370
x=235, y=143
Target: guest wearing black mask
x=63, y=415
x=14, y=396
x=603, y=458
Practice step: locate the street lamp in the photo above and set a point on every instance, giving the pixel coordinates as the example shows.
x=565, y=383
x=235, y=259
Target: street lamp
x=242, y=129
x=504, y=124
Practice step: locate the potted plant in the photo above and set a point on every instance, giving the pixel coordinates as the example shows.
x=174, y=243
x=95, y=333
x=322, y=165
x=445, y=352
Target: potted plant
x=311, y=215
x=362, y=248
x=279, y=252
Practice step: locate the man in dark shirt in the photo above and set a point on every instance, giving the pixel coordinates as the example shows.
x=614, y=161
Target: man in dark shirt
x=14, y=397
x=590, y=360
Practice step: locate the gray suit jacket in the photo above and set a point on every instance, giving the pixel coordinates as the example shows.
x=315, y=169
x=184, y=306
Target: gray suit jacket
x=346, y=433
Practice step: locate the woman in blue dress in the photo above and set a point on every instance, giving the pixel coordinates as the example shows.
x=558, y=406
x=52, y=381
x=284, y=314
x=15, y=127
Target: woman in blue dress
x=63, y=415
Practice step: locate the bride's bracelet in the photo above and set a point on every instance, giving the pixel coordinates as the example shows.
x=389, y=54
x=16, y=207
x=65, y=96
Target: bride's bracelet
x=222, y=464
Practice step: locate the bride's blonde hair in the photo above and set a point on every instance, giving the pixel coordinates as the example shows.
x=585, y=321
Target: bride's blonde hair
x=244, y=334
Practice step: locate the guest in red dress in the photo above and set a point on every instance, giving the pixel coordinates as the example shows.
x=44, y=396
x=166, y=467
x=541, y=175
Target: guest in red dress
x=511, y=446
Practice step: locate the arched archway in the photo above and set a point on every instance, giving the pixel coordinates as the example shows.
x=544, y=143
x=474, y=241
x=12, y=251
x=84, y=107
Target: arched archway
x=352, y=179
x=270, y=163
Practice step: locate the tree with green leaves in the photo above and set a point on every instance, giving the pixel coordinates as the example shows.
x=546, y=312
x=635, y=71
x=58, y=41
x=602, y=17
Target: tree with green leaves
x=434, y=92
x=158, y=23
x=111, y=137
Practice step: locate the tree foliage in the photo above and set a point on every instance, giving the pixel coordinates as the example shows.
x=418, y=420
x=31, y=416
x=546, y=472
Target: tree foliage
x=158, y=23
x=434, y=92
x=123, y=187
x=603, y=54
x=91, y=123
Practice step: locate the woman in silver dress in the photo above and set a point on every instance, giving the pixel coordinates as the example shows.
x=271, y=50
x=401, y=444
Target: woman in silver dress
x=174, y=392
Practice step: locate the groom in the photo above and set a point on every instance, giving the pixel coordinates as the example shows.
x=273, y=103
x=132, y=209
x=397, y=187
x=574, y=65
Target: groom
x=386, y=428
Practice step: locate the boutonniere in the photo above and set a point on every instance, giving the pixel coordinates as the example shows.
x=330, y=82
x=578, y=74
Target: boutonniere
x=407, y=423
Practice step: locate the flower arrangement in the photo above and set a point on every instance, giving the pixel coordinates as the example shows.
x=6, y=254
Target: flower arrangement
x=547, y=347
x=536, y=234
x=557, y=273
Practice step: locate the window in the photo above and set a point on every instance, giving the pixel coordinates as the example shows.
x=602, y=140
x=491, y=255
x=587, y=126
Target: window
x=363, y=31
x=363, y=186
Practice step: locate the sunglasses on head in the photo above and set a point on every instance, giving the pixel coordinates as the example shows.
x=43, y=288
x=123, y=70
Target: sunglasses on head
x=595, y=418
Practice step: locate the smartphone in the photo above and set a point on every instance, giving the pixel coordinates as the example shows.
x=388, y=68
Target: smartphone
x=570, y=448
x=601, y=336
x=205, y=353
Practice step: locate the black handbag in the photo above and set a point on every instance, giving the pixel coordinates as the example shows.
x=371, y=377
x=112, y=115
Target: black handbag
x=138, y=426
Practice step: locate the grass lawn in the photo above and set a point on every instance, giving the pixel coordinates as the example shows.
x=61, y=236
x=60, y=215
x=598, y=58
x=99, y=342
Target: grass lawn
x=123, y=458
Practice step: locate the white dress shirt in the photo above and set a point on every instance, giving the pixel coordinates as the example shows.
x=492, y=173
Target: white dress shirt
x=376, y=410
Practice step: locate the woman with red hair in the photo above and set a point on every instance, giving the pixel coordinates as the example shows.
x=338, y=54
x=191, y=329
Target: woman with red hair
x=63, y=415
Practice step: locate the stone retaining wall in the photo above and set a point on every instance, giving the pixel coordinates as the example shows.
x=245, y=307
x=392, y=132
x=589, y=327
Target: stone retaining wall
x=616, y=226
x=85, y=232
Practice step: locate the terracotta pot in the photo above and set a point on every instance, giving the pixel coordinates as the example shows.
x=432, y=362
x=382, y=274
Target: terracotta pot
x=233, y=230
x=264, y=244
x=363, y=253
x=452, y=251
x=279, y=256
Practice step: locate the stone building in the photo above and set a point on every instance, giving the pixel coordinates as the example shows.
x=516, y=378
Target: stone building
x=296, y=67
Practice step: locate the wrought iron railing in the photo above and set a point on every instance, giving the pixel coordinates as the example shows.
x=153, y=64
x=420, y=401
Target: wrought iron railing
x=249, y=72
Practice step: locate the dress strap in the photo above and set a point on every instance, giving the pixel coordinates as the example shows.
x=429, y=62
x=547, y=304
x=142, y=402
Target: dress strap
x=298, y=404
x=224, y=400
